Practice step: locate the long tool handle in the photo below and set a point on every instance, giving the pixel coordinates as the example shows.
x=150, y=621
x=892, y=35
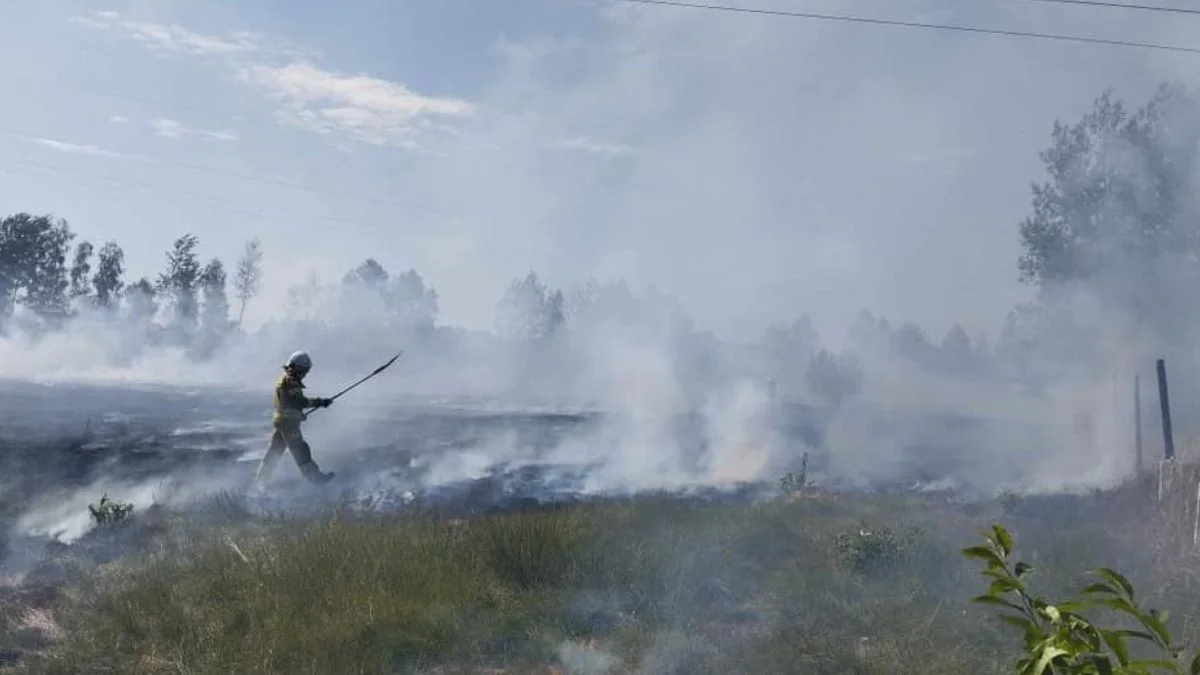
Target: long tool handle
x=373, y=373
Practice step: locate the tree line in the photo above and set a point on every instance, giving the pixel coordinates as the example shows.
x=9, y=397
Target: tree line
x=1111, y=248
x=1117, y=218
x=52, y=276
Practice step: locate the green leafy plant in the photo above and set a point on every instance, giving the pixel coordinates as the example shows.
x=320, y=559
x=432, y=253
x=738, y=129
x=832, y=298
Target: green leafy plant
x=110, y=512
x=1059, y=638
x=870, y=551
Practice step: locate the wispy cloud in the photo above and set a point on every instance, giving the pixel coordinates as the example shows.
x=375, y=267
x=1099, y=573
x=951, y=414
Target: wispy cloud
x=91, y=22
x=365, y=108
x=585, y=144
x=172, y=37
x=82, y=149
x=118, y=119
x=356, y=107
x=169, y=128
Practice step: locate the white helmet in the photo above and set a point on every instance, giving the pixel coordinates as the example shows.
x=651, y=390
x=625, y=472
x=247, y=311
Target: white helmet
x=299, y=362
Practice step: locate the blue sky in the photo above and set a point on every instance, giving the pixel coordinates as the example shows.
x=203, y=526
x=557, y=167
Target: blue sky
x=756, y=167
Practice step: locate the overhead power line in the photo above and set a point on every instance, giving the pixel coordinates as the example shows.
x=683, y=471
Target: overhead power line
x=261, y=177
x=214, y=202
x=845, y=18
x=1122, y=5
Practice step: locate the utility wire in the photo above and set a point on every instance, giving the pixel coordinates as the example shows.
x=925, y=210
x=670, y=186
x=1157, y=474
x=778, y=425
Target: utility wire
x=845, y=18
x=217, y=203
x=17, y=133
x=1123, y=5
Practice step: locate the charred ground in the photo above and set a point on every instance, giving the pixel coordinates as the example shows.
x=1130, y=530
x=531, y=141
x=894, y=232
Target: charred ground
x=417, y=566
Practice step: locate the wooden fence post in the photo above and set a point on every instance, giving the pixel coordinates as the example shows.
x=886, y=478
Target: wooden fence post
x=1164, y=404
x=1137, y=420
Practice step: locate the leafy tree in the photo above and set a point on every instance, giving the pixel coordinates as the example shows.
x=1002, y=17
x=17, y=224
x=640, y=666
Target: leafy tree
x=180, y=281
x=911, y=342
x=799, y=338
x=834, y=378
x=613, y=306
x=33, y=265
x=1117, y=215
x=370, y=275
x=594, y=302
x=248, y=276
x=363, y=296
x=216, y=301
x=142, y=301
x=869, y=333
x=957, y=352
x=11, y=273
x=81, y=270
x=584, y=297
x=110, y=272
x=789, y=348
x=414, y=304
x=303, y=299
x=1018, y=337
x=555, y=311
x=529, y=310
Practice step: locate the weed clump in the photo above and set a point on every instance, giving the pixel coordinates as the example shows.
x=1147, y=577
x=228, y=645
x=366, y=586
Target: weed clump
x=873, y=551
x=110, y=512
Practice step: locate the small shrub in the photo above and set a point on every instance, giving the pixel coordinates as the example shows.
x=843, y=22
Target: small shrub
x=796, y=483
x=1059, y=637
x=873, y=551
x=110, y=512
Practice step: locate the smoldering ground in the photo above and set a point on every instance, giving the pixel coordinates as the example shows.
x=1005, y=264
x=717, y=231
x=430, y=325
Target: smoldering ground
x=68, y=444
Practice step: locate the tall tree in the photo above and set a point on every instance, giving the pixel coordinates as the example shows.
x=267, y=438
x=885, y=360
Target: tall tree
x=529, y=310
x=957, y=356
x=81, y=270
x=11, y=272
x=33, y=265
x=247, y=276
x=911, y=342
x=1118, y=216
x=834, y=378
x=957, y=345
x=216, y=302
x=141, y=301
x=411, y=302
x=109, y=277
x=363, y=299
x=788, y=349
x=304, y=300
x=179, y=282
x=869, y=333
x=369, y=275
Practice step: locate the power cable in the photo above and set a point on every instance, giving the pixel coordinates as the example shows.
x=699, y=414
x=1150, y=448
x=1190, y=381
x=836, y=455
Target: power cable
x=845, y=18
x=218, y=203
x=16, y=133
x=1122, y=5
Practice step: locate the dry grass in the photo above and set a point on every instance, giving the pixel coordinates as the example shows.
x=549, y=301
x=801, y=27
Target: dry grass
x=869, y=586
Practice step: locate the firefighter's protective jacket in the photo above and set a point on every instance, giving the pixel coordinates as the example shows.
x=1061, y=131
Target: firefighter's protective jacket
x=290, y=400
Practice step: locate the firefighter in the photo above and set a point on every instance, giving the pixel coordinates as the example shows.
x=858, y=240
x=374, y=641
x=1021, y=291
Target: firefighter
x=290, y=403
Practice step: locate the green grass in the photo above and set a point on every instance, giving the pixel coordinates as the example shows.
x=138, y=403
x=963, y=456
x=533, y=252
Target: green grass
x=814, y=585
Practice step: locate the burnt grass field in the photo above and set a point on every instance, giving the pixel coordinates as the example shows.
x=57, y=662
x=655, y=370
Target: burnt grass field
x=425, y=558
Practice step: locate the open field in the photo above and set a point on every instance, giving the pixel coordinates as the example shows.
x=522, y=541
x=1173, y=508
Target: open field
x=814, y=584
x=498, y=563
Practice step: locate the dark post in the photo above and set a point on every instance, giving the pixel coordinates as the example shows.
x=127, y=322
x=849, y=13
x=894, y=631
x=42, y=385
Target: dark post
x=1164, y=404
x=1137, y=419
